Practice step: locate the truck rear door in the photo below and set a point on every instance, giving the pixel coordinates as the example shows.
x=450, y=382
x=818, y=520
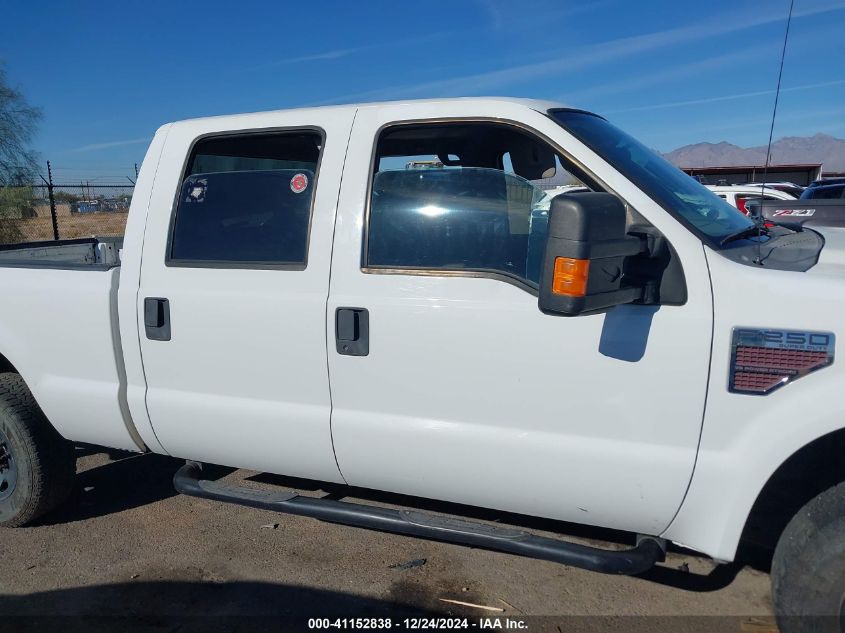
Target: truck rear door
x=234, y=283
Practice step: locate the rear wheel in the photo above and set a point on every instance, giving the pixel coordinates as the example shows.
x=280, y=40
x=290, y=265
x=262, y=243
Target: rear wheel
x=37, y=465
x=808, y=568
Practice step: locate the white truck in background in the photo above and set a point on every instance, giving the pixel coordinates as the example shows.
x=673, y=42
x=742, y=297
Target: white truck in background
x=289, y=298
x=739, y=195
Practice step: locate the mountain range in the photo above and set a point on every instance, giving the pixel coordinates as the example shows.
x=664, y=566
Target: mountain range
x=820, y=148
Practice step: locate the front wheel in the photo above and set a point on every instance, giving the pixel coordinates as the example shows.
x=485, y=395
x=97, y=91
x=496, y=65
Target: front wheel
x=37, y=465
x=808, y=568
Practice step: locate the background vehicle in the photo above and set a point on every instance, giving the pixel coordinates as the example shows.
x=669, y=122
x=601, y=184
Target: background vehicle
x=827, y=181
x=549, y=194
x=820, y=215
x=824, y=192
x=739, y=195
x=289, y=298
x=786, y=187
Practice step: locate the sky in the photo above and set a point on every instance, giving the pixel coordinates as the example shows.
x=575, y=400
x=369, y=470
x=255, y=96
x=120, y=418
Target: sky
x=107, y=74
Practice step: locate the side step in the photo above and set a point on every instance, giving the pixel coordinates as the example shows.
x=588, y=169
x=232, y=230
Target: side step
x=649, y=550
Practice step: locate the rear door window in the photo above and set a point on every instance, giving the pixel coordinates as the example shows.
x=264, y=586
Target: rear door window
x=246, y=201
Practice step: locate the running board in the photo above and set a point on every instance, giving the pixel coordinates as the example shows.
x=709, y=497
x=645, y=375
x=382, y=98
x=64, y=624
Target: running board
x=649, y=550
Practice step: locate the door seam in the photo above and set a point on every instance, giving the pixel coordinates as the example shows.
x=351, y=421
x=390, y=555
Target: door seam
x=328, y=296
x=706, y=393
x=138, y=308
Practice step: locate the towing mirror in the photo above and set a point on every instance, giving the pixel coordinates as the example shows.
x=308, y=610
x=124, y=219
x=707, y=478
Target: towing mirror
x=584, y=263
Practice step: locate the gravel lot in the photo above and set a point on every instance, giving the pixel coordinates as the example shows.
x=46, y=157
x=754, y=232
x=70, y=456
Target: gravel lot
x=128, y=545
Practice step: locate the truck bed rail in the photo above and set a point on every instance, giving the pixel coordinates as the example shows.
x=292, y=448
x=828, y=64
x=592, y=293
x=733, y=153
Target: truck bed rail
x=87, y=254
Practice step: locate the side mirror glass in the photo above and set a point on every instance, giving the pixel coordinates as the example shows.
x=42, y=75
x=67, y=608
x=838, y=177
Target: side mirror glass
x=584, y=263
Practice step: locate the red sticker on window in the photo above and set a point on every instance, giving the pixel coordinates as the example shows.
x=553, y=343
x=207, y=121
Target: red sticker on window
x=299, y=183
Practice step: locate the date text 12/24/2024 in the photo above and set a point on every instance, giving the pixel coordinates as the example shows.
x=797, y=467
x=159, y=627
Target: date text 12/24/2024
x=418, y=624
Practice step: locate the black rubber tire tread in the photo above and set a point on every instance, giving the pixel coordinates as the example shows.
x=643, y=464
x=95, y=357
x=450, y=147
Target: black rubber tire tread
x=46, y=461
x=808, y=567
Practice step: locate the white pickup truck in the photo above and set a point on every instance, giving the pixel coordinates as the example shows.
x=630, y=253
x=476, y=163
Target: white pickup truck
x=290, y=298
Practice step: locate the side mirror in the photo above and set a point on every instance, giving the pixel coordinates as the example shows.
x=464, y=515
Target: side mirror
x=584, y=263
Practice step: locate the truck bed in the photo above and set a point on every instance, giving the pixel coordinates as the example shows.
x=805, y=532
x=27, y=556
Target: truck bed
x=809, y=213
x=86, y=253
x=58, y=320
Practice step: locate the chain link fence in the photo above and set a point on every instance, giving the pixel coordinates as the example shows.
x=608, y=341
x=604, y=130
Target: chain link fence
x=31, y=214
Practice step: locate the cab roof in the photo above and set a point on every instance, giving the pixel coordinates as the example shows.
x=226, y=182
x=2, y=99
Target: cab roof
x=535, y=104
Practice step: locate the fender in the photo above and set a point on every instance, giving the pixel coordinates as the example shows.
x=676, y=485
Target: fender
x=16, y=352
x=746, y=438
x=67, y=359
x=728, y=480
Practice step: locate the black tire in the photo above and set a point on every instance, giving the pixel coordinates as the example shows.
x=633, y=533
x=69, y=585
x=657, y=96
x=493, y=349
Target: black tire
x=38, y=464
x=808, y=568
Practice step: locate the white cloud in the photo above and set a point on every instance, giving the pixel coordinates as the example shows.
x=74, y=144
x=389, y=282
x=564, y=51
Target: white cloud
x=754, y=127
x=732, y=97
x=684, y=71
x=495, y=11
x=335, y=54
x=587, y=56
x=345, y=52
x=502, y=16
x=99, y=146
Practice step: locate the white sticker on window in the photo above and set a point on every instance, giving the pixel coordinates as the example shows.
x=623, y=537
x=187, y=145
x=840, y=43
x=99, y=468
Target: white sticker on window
x=197, y=191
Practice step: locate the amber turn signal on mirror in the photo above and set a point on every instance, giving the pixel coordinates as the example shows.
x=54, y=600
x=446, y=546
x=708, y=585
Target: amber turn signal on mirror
x=570, y=276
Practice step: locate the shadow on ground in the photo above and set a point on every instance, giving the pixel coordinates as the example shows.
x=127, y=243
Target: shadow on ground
x=181, y=606
x=130, y=481
x=680, y=578
x=233, y=607
x=127, y=481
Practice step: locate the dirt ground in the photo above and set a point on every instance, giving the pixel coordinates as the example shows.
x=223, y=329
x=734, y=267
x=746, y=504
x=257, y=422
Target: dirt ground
x=128, y=553
x=71, y=226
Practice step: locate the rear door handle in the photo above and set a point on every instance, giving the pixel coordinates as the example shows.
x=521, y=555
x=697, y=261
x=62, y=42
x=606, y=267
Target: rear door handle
x=352, y=331
x=157, y=318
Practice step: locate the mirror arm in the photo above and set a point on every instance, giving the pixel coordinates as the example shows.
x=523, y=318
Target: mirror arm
x=626, y=247
x=653, y=246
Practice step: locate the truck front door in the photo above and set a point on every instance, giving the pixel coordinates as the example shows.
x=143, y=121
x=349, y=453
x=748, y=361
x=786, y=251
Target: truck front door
x=234, y=283
x=463, y=390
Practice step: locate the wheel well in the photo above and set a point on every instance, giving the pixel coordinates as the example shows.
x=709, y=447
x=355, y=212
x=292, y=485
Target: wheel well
x=6, y=366
x=808, y=472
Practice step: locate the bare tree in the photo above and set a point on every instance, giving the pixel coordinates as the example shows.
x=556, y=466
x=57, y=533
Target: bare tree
x=18, y=162
x=18, y=124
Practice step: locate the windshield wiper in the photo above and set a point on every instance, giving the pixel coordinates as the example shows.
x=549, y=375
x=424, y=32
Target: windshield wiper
x=746, y=232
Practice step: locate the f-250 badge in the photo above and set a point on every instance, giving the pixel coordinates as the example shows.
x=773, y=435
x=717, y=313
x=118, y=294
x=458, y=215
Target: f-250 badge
x=765, y=360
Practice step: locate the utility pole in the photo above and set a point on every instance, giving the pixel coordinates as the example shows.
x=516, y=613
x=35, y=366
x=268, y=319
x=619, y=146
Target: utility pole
x=136, y=172
x=49, y=183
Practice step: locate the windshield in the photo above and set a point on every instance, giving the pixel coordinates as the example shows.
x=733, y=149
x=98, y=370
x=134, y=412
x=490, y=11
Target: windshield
x=704, y=212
